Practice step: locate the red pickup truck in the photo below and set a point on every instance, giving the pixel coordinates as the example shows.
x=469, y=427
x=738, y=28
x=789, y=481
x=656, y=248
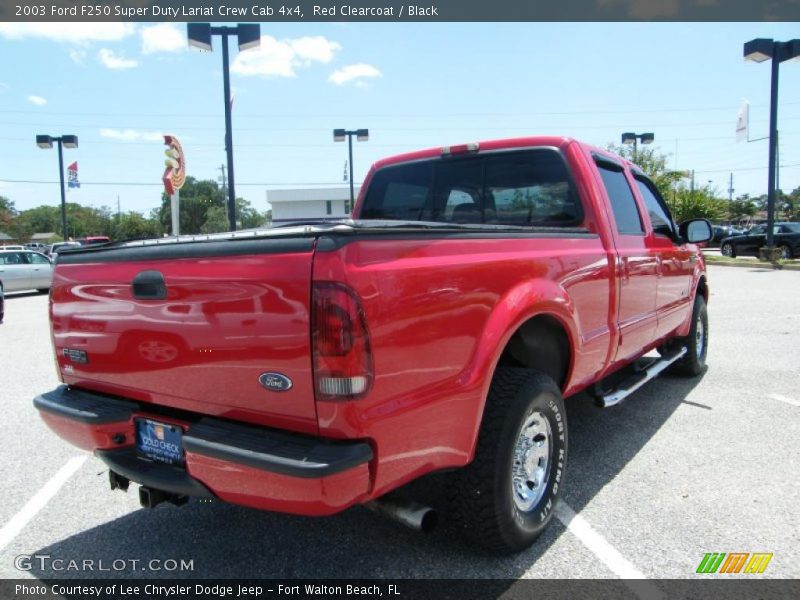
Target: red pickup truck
x=309, y=368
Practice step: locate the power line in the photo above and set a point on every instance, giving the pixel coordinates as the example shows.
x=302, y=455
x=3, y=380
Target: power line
x=334, y=183
x=405, y=129
x=158, y=184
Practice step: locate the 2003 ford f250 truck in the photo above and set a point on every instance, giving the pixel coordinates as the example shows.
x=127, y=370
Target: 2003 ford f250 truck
x=309, y=368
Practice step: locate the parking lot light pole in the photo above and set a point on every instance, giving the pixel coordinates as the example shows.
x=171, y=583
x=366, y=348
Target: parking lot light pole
x=362, y=135
x=249, y=36
x=629, y=138
x=759, y=50
x=67, y=141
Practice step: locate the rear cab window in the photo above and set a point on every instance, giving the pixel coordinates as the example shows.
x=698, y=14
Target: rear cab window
x=531, y=187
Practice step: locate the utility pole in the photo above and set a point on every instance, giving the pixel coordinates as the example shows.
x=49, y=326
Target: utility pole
x=691, y=189
x=730, y=189
x=119, y=211
x=222, y=168
x=777, y=162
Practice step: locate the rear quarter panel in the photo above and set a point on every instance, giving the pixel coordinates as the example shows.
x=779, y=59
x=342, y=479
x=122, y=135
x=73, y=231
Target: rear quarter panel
x=439, y=312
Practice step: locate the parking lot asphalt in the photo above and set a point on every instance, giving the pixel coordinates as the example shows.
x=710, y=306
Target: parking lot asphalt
x=681, y=468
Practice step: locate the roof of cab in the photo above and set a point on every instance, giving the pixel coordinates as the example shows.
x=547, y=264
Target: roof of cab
x=501, y=144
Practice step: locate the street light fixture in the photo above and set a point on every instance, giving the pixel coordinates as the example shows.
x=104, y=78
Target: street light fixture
x=362, y=135
x=759, y=50
x=249, y=36
x=67, y=141
x=629, y=138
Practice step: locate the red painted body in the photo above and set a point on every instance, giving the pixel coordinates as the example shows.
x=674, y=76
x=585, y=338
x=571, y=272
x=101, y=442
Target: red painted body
x=439, y=311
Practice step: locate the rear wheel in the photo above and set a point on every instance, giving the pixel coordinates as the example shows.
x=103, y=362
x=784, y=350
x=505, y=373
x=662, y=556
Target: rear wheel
x=786, y=251
x=505, y=498
x=728, y=250
x=696, y=343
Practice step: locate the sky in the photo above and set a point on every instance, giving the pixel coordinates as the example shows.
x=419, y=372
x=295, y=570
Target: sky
x=119, y=87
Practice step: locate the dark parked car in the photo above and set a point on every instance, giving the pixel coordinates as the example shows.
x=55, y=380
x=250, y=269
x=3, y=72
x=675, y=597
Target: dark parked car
x=787, y=238
x=721, y=232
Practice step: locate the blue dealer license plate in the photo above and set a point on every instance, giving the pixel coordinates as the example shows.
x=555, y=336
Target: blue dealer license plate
x=159, y=441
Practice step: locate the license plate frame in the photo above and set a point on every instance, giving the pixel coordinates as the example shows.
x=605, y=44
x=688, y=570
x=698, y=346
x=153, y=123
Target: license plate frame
x=160, y=442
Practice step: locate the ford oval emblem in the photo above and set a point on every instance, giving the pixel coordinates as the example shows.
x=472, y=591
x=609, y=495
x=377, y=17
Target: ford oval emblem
x=275, y=382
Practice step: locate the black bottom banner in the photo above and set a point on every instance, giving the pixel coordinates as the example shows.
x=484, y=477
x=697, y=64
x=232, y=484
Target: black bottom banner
x=398, y=589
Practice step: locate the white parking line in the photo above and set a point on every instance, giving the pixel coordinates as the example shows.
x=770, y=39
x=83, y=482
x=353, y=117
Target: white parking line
x=607, y=554
x=11, y=529
x=785, y=399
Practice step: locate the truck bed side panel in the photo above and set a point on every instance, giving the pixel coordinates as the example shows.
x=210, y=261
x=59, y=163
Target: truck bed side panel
x=439, y=312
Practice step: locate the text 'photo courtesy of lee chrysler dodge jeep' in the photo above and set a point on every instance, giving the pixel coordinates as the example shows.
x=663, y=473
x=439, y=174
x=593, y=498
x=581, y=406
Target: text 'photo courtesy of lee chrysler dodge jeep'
x=309, y=368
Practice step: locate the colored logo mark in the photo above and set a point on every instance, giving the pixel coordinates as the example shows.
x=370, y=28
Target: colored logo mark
x=734, y=562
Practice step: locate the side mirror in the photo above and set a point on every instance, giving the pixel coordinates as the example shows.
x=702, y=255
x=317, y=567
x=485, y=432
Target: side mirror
x=696, y=231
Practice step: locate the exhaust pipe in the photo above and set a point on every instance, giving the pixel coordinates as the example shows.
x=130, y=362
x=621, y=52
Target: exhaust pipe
x=150, y=498
x=408, y=512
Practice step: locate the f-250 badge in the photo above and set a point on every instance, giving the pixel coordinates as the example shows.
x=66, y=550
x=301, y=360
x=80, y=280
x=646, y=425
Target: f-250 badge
x=275, y=382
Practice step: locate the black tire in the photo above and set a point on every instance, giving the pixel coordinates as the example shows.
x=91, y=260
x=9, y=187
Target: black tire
x=694, y=362
x=43, y=290
x=786, y=251
x=482, y=498
x=728, y=249
x=2, y=303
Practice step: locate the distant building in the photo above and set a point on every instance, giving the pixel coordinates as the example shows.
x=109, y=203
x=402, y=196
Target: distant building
x=44, y=237
x=310, y=204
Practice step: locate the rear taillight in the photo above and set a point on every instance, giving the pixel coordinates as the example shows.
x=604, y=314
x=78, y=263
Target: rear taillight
x=340, y=340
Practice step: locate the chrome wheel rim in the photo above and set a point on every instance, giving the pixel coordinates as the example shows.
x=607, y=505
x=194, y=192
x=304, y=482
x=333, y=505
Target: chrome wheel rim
x=531, y=467
x=726, y=250
x=700, y=338
x=784, y=253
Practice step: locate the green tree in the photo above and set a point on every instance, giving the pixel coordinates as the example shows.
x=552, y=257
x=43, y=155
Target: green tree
x=700, y=203
x=8, y=214
x=41, y=219
x=789, y=205
x=247, y=217
x=654, y=165
x=196, y=198
x=132, y=226
x=741, y=208
x=216, y=220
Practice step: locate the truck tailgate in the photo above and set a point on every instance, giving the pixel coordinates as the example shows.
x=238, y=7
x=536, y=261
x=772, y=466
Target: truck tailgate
x=214, y=327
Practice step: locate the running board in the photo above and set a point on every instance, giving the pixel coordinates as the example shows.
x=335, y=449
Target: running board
x=627, y=387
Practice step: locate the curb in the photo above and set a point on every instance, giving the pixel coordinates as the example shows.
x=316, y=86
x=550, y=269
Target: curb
x=754, y=265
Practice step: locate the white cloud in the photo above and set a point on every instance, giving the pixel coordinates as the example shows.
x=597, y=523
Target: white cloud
x=354, y=73
x=131, y=135
x=76, y=33
x=163, y=37
x=275, y=58
x=112, y=60
x=77, y=56
x=37, y=100
x=314, y=49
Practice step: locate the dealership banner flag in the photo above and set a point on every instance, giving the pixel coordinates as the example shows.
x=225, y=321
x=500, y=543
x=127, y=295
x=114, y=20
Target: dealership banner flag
x=72, y=176
x=743, y=122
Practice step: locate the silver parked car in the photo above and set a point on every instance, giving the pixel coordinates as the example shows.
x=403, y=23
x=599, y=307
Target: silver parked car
x=54, y=249
x=24, y=270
